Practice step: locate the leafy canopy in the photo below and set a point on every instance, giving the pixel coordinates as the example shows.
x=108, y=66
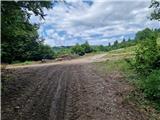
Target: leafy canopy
x=20, y=39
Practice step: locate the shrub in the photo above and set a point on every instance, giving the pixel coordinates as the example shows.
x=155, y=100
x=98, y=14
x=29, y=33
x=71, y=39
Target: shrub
x=151, y=85
x=147, y=56
x=78, y=49
x=87, y=48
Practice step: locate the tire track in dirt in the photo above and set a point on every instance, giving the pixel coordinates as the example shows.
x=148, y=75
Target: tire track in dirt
x=31, y=101
x=68, y=92
x=38, y=106
x=72, y=111
x=57, y=107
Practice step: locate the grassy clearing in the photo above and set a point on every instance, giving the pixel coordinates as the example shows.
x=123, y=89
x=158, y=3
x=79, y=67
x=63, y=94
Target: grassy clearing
x=116, y=61
x=121, y=53
x=129, y=50
x=110, y=66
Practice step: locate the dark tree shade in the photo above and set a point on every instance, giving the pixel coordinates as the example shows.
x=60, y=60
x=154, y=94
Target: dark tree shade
x=19, y=38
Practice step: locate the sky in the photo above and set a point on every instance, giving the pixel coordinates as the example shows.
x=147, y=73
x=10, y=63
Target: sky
x=99, y=22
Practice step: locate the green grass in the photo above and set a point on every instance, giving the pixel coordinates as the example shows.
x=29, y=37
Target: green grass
x=117, y=66
x=129, y=50
x=16, y=63
x=122, y=53
x=110, y=66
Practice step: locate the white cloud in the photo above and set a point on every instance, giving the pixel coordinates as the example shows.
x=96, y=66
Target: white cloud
x=82, y=21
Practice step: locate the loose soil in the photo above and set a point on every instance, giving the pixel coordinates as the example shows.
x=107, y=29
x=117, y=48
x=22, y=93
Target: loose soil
x=66, y=91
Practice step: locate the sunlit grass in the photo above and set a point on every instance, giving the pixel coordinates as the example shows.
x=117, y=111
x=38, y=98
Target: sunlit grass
x=122, y=53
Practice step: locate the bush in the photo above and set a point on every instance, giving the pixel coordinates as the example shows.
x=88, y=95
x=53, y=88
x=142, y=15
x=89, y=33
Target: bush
x=87, y=48
x=147, y=56
x=151, y=85
x=78, y=49
x=147, y=64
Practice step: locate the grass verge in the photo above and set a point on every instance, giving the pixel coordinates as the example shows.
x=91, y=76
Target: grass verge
x=137, y=96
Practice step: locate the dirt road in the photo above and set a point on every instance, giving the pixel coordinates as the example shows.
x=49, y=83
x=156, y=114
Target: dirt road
x=84, y=59
x=73, y=91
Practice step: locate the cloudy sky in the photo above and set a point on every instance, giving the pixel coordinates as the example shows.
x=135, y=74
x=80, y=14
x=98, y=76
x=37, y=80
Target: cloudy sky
x=96, y=21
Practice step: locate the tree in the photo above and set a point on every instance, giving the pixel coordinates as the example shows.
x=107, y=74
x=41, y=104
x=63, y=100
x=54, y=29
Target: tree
x=124, y=40
x=146, y=33
x=155, y=15
x=43, y=52
x=147, y=64
x=87, y=48
x=78, y=49
x=19, y=36
x=115, y=45
x=129, y=39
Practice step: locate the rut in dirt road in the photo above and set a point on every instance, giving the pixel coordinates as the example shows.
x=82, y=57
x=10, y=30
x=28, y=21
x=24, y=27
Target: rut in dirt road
x=65, y=92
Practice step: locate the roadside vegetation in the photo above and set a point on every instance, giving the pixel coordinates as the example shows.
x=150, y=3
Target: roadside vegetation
x=147, y=65
x=140, y=66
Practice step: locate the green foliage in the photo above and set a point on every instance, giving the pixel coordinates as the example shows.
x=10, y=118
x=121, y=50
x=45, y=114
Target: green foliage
x=43, y=52
x=87, y=48
x=115, y=44
x=147, y=63
x=27, y=63
x=61, y=51
x=151, y=85
x=81, y=49
x=147, y=54
x=146, y=33
x=124, y=44
x=19, y=37
x=100, y=48
x=78, y=49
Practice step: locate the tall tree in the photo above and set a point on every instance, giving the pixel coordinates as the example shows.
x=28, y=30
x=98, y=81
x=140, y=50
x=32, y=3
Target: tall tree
x=109, y=44
x=115, y=45
x=124, y=40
